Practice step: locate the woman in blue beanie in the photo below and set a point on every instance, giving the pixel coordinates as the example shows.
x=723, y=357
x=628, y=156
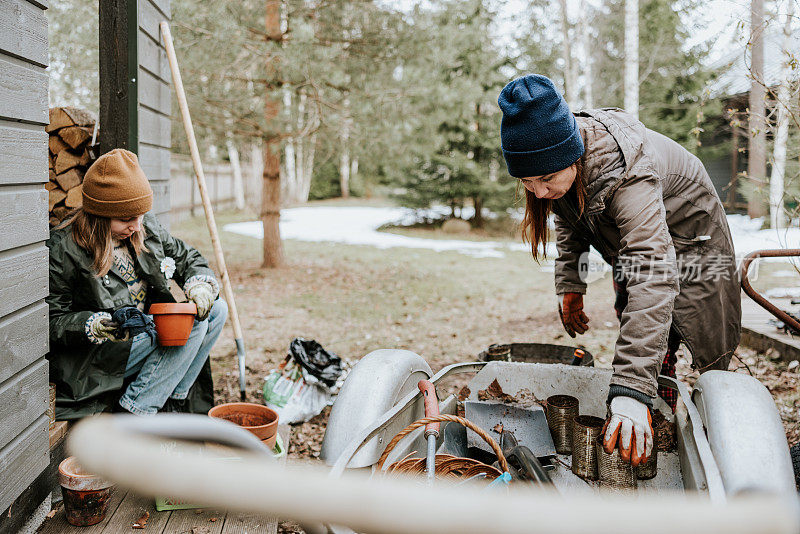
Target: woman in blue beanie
x=649, y=207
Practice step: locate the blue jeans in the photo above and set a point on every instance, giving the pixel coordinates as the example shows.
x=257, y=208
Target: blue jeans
x=169, y=372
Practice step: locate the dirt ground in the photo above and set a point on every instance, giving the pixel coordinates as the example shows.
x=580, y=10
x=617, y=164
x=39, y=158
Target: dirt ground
x=445, y=306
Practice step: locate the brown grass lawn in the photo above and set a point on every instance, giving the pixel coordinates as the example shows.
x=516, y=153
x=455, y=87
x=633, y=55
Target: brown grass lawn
x=444, y=306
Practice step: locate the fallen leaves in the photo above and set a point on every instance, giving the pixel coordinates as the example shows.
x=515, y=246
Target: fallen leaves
x=142, y=521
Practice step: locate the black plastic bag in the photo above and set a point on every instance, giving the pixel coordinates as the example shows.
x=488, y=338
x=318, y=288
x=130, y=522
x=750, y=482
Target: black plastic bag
x=324, y=365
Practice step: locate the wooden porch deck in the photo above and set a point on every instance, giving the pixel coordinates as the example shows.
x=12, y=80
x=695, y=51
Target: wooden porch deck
x=127, y=508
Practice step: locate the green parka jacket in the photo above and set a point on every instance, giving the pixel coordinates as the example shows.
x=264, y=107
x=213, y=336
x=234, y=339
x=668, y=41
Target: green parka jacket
x=89, y=377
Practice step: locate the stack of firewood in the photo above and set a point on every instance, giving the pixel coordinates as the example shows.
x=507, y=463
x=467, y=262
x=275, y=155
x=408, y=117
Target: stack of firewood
x=71, y=153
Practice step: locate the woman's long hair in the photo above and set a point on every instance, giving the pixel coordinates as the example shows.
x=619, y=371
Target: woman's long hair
x=534, y=223
x=93, y=234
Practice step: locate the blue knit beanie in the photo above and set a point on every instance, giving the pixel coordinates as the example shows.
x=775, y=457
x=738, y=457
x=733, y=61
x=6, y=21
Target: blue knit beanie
x=538, y=133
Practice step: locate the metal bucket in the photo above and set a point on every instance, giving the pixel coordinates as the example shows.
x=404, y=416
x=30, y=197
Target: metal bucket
x=561, y=410
x=499, y=352
x=613, y=472
x=585, y=431
x=649, y=469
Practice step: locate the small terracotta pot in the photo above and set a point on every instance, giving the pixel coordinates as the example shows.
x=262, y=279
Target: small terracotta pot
x=258, y=419
x=174, y=321
x=86, y=496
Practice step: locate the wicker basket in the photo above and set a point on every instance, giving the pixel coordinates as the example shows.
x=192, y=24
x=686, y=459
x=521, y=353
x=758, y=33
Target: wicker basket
x=447, y=466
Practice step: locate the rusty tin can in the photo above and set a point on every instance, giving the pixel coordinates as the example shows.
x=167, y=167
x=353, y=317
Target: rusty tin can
x=585, y=431
x=561, y=411
x=649, y=469
x=613, y=472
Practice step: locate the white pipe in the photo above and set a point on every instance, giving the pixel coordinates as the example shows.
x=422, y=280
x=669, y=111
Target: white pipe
x=401, y=505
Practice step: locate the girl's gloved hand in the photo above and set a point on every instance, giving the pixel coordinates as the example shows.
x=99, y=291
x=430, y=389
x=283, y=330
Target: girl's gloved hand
x=100, y=328
x=202, y=294
x=630, y=428
x=570, y=309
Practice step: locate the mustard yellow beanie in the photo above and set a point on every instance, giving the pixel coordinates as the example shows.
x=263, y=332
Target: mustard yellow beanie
x=115, y=186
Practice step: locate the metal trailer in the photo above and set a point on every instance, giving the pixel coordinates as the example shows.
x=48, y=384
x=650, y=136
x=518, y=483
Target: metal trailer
x=730, y=439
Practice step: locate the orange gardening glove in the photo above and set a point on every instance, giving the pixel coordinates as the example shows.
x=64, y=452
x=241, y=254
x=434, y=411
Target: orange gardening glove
x=631, y=428
x=570, y=308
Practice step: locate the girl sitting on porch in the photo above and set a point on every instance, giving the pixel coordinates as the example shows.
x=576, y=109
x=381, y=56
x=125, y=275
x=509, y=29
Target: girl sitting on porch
x=108, y=256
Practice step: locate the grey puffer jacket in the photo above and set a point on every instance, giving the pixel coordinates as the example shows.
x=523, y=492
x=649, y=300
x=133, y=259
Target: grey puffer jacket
x=652, y=210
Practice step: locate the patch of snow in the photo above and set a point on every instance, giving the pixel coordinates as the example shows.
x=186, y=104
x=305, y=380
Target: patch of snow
x=748, y=236
x=359, y=226
x=782, y=292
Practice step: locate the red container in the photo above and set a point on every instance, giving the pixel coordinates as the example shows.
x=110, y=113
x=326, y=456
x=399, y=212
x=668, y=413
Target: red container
x=256, y=418
x=174, y=322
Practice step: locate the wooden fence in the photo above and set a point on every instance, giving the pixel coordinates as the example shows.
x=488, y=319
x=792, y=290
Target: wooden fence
x=185, y=197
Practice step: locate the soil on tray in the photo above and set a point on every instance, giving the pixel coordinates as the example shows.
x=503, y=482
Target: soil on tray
x=664, y=430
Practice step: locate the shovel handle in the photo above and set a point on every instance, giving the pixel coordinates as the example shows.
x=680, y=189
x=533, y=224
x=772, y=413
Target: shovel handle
x=431, y=405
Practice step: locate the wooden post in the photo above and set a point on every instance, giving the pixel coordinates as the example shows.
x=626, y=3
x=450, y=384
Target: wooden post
x=119, y=64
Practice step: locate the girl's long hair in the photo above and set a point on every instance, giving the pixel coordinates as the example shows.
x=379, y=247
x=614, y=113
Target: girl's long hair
x=93, y=234
x=534, y=223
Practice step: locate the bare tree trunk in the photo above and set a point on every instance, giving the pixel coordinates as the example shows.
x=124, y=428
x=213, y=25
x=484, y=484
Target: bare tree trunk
x=308, y=164
x=632, y=57
x=477, y=219
x=570, y=71
x=252, y=190
x=289, y=167
x=353, y=168
x=756, y=145
x=776, y=181
x=588, y=98
x=271, y=193
x=238, y=185
x=344, y=155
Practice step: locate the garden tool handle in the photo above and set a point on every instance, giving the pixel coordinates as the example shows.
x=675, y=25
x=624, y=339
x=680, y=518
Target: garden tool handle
x=227, y=288
x=431, y=405
x=577, y=357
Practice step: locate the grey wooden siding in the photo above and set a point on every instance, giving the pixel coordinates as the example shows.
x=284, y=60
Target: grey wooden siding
x=23, y=255
x=154, y=103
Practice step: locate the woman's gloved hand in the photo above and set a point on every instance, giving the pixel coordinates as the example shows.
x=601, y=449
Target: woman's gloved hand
x=629, y=427
x=202, y=294
x=101, y=328
x=570, y=309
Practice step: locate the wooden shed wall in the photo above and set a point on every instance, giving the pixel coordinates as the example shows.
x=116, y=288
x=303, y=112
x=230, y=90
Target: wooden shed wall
x=23, y=255
x=155, y=99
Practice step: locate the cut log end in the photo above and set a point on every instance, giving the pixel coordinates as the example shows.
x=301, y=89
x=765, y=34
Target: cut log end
x=74, y=197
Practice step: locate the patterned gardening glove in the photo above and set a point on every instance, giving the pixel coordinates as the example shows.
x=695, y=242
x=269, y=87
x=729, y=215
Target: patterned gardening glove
x=100, y=328
x=202, y=294
x=570, y=309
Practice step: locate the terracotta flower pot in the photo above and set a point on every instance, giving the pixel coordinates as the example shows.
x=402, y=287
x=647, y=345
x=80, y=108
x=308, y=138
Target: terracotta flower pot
x=86, y=496
x=174, y=321
x=258, y=419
